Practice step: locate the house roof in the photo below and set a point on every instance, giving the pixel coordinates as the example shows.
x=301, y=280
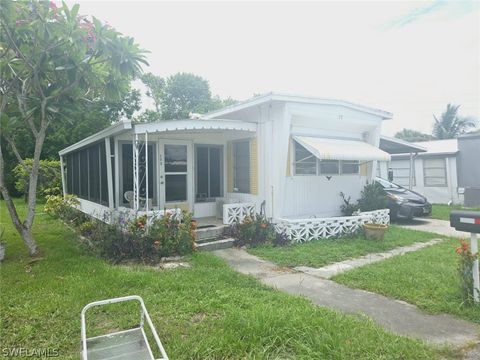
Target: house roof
x=272, y=96
x=398, y=146
x=438, y=147
x=163, y=126
x=114, y=129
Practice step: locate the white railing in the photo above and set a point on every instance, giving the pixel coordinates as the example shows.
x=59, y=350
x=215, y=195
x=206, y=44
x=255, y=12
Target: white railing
x=303, y=230
x=236, y=213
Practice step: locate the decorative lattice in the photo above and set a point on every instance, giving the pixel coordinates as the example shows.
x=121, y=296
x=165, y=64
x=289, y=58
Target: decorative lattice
x=303, y=230
x=235, y=213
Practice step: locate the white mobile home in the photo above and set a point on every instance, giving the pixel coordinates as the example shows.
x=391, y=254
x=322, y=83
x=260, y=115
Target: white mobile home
x=288, y=156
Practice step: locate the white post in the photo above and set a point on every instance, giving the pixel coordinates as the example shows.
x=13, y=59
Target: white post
x=410, y=175
x=118, y=199
x=64, y=189
x=146, y=170
x=475, y=271
x=108, y=155
x=137, y=175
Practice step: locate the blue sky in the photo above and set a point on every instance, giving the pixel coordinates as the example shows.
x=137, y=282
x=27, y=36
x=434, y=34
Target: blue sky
x=409, y=58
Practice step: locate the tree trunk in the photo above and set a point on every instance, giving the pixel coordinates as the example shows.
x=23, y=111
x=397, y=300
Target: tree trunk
x=24, y=231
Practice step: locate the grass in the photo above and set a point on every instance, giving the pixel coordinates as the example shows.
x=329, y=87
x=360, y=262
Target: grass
x=442, y=211
x=426, y=278
x=322, y=252
x=205, y=312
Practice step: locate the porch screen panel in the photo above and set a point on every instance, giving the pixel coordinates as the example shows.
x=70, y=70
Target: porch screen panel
x=75, y=173
x=84, y=174
x=241, y=166
x=94, y=174
x=202, y=174
x=142, y=172
x=209, y=177
x=127, y=171
x=215, y=172
x=103, y=175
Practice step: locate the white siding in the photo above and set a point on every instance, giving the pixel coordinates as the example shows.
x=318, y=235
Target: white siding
x=307, y=196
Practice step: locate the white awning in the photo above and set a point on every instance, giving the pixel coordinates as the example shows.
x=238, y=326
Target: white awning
x=333, y=149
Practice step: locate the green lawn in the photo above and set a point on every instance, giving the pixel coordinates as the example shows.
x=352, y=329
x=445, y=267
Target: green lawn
x=442, y=211
x=426, y=278
x=205, y=312
x=322, y=252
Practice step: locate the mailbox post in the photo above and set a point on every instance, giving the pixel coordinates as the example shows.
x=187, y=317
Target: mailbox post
x=469, y=221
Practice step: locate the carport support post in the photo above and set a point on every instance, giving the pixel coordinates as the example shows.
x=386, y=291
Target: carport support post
x=410, y=175
x=476, y=279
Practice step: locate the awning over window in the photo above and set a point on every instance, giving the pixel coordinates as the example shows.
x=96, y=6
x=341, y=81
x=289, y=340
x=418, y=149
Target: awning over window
x=333, y=149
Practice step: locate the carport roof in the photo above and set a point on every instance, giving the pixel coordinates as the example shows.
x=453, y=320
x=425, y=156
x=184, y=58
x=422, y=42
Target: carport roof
x=398, y=146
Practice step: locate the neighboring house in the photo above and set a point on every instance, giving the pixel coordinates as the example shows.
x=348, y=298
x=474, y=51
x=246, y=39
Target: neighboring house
x=433, y=172
x=288, y=156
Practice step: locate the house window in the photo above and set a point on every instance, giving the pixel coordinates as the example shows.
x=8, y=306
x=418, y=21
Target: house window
x=434, y=172
x=329, y=167
x=350, y=167
x=401, y=172
x=176, y=173
x=208, y=174
x=305, y=162
x=241, y=166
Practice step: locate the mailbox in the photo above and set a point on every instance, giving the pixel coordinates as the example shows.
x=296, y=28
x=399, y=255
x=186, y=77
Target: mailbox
x=468, y=221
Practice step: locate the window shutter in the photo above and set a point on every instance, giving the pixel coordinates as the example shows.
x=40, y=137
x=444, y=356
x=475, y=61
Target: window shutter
x=253, y=167
x=229, y=167
x=363, y=169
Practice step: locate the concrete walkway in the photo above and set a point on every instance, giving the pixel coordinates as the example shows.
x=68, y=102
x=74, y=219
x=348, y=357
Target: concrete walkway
x=329, y=271
x=441, y=227
x=396, y=316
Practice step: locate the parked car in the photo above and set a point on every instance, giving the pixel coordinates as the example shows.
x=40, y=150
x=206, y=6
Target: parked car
x=404, y=203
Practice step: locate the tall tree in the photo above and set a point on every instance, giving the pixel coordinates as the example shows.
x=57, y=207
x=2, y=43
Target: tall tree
x=413, y=135
x=53, y=60
x=451, y=125
x=178, y=96
x=185, y=93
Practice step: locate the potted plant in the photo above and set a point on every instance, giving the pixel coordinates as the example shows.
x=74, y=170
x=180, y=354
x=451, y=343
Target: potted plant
x=375, y=231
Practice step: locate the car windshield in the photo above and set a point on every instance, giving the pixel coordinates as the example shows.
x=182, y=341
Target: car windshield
x=387, y=184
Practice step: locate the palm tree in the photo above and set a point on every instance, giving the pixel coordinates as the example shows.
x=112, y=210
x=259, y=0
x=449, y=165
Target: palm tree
x=450, y=125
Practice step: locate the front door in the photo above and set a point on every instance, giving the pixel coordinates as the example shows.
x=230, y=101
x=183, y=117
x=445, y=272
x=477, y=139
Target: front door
x=175, y=185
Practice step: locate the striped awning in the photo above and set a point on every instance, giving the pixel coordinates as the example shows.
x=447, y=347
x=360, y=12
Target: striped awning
x=335, y=149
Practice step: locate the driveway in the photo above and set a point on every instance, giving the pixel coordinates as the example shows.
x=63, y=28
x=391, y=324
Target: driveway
x=441, y=227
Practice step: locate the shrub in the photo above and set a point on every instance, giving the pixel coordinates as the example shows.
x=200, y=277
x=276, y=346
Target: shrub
x=49, y=177
x=347, y=208
x=148, y=242
x=373, y=197
x=253, y=231
x=465, y=271
x=59, y=207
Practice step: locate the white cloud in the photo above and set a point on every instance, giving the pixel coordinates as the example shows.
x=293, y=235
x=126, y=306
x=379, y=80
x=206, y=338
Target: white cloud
x=339, y=50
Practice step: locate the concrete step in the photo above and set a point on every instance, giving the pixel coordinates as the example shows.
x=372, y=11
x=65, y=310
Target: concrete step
x=212, y=233
x=215, y=244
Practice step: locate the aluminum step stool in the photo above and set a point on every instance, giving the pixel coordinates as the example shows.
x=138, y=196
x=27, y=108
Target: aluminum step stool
x=121, y=345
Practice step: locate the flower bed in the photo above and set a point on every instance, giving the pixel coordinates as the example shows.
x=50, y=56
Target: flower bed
x=138, y=238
